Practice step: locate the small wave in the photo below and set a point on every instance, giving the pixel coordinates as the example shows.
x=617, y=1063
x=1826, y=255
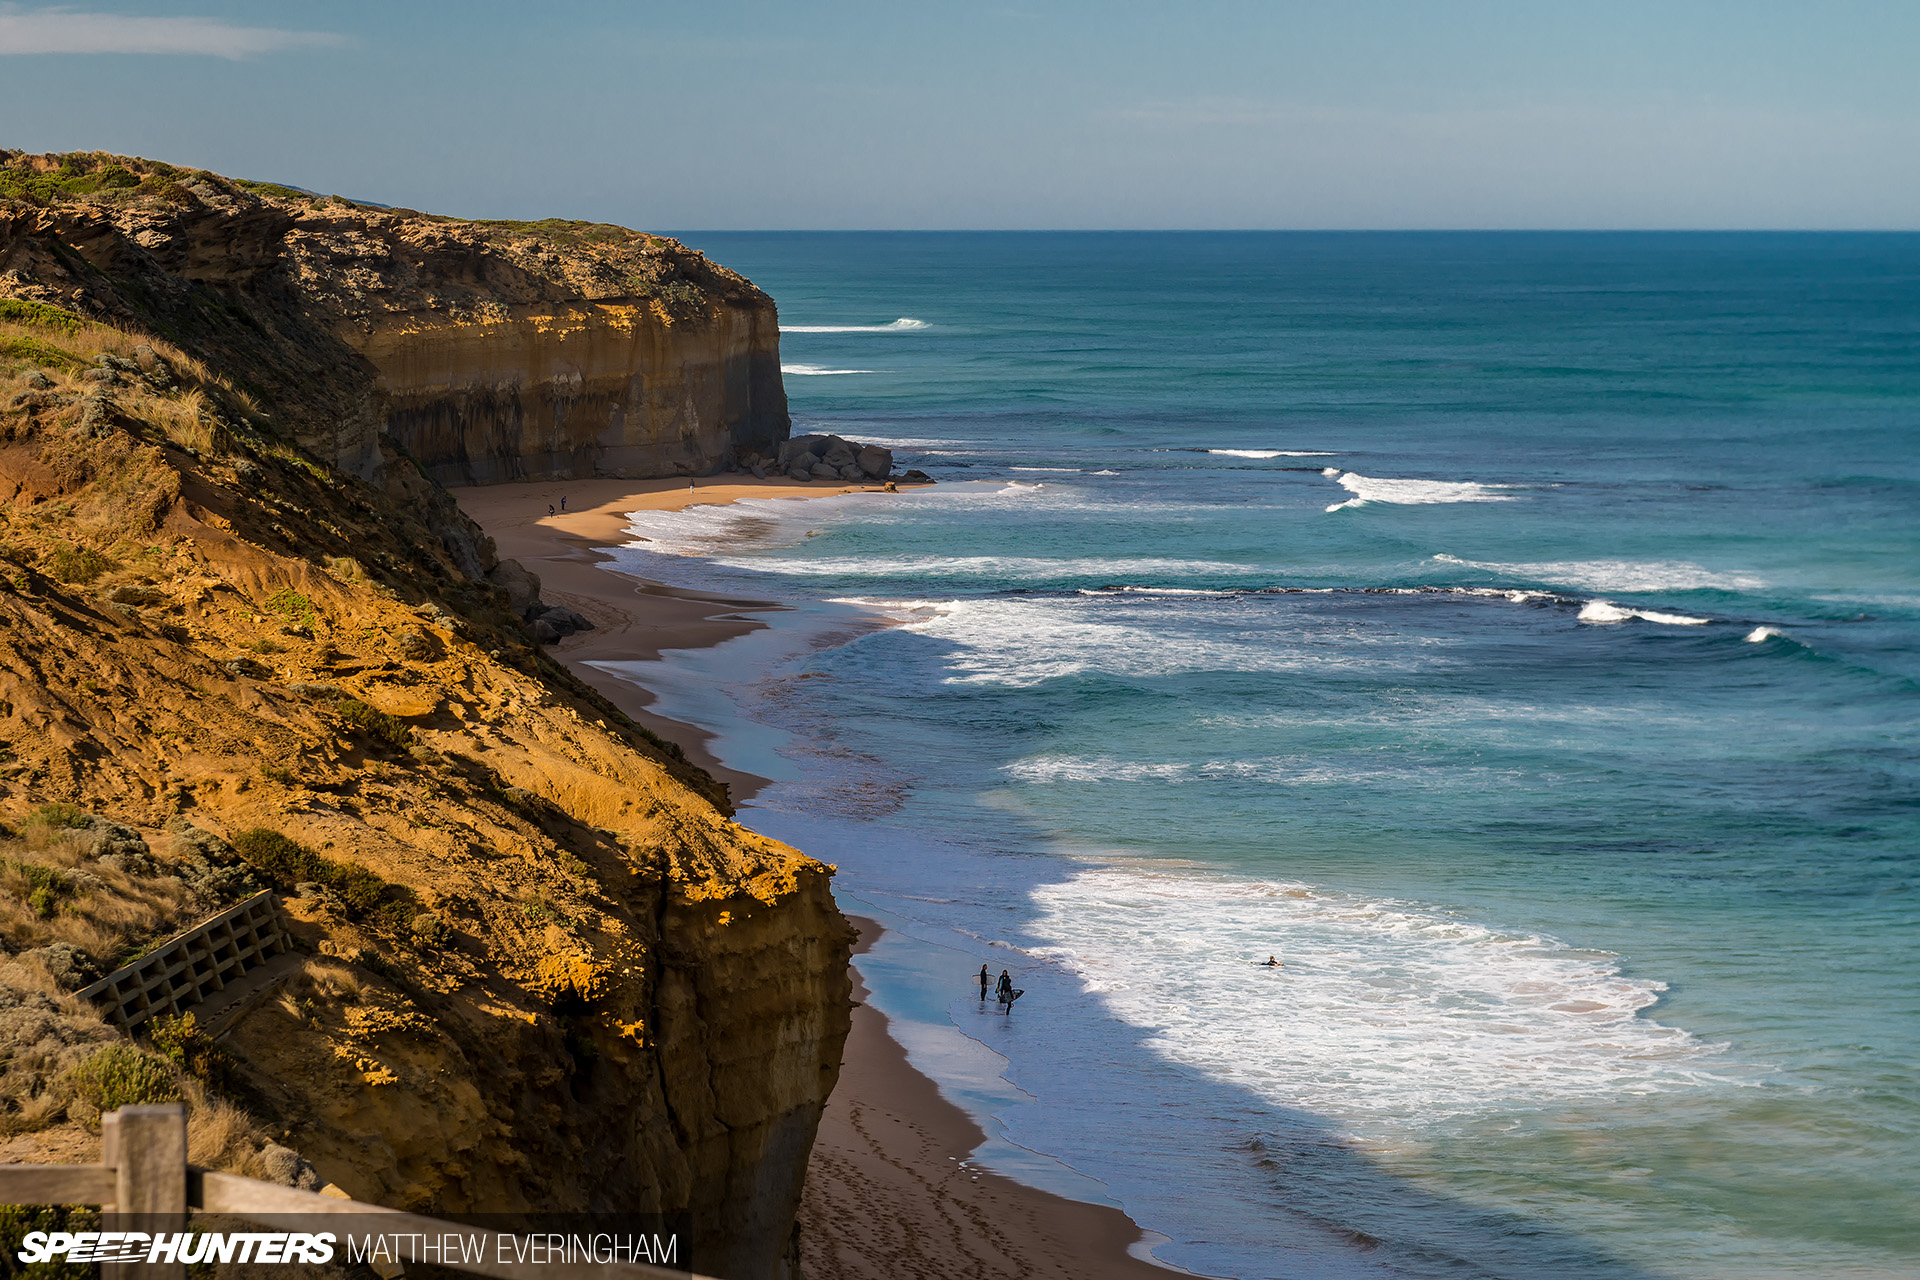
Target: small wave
x=1620, y=575
x=1601, y=611
x=1273, y=453
x=1105, y=473
x=1069, y=470
x=1401, y=492
x=898, y=326
x=1159, y=591
x=814, y=370
x=1759, y=634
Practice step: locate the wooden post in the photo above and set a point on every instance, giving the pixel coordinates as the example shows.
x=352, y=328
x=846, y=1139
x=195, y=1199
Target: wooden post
x=147, y=1149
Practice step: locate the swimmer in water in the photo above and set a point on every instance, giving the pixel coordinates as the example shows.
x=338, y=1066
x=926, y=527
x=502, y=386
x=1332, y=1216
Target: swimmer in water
x=1273, y=962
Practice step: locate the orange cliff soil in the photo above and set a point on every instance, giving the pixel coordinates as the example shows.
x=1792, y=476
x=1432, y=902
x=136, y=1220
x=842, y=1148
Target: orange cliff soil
x=601, y=993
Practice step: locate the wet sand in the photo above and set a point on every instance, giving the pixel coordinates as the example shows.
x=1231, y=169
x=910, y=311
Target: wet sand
x=887, y=1196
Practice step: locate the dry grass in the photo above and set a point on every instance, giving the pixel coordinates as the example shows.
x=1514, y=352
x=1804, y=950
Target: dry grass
x=50, y=891
x=220, y=1135
x=183, y=407
x=183, y=418
x=82, y=342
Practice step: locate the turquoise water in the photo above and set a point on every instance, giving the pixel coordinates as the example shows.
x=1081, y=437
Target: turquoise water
x=1517, y=635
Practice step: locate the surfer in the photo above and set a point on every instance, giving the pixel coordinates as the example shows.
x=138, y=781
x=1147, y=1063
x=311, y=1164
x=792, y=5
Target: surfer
x=985, y=982
x=1008, y=992
x=1273, y=962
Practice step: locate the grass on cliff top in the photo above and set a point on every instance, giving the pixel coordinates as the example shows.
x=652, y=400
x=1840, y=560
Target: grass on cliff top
x=54, y=179
x=568, y=231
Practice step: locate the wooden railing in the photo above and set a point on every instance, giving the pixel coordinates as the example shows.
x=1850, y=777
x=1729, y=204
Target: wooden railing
x=144, y=1171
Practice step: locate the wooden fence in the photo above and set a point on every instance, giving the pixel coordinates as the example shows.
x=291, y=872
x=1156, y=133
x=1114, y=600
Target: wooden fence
x=225, y=961
x=144, y=1171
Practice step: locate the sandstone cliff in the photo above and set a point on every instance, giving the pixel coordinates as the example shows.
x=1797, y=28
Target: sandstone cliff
x=574, y=983
x=489, y=351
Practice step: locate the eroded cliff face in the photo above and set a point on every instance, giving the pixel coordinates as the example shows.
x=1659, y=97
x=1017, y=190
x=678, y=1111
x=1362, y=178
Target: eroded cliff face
x=612, y=996
x=488, y=351
x=503, y=352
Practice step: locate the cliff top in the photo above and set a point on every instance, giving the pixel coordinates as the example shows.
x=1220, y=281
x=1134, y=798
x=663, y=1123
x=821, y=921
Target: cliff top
x=495, y=262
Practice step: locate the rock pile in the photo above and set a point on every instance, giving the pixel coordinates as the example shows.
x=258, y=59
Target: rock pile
x=547, y=622
x=819, y=457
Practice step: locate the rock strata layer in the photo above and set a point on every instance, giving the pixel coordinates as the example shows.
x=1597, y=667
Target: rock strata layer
x=489, y=351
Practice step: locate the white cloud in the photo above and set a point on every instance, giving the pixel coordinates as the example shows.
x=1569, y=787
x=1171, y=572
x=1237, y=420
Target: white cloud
x=67, y=31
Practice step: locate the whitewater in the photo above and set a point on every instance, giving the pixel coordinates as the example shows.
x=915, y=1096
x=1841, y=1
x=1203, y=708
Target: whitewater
x=1545, y=740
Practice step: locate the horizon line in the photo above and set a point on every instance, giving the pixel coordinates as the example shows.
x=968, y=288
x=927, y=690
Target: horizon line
x=1651, y=231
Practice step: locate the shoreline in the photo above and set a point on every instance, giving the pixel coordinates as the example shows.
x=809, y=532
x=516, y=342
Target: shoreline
x=891, y=1156
x=887, y=1192
x=566, y=552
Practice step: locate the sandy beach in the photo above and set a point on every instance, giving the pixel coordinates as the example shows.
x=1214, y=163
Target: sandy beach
x=887, y=1195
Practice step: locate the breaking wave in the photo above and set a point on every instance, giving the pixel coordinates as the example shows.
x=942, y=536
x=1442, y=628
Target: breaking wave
x=903, y=324
x=1383, y=1007
x=1602, y=611
x=1401, y=492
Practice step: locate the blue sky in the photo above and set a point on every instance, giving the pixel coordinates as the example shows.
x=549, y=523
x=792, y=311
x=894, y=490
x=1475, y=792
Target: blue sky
x=1117, y=114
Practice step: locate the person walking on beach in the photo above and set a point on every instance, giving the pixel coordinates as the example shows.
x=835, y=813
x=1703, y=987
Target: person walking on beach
x=1006, y=982
x=563, y=502
x=549, y=508
x=985, y=982
x=689, y=486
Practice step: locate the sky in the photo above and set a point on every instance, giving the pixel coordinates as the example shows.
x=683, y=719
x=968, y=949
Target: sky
x=1071, y=114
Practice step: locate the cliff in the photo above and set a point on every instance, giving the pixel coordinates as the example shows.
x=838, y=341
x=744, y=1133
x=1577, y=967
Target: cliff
x=488, y=351
x=243, y=642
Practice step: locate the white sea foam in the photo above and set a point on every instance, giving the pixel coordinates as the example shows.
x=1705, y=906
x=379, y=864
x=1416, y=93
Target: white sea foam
x=1401, y=492
x=1279, y=771
x=1003, y=568
x=814, y=370
x=1068, y=470
x=903, y=324
x=1384, y=1011
x=1018, y=643
x=1759, y=634
x=1620, y=575
x=1274, y=453
x=1602, y=611
x=1105, y=473
x=894, y=442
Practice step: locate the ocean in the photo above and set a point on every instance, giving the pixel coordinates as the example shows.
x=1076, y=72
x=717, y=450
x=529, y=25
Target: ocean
x=1516, y=635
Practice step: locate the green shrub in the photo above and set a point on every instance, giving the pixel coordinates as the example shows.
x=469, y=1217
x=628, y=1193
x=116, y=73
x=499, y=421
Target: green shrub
x=35, y=351
x=287, y=862
x=294, y=609
x=38, y=313
x=77, y=564
x=272, y=189
x=17, y=1220
x=120, y=1076
x=59, y=816
x=190, y=1049
x=378, y=725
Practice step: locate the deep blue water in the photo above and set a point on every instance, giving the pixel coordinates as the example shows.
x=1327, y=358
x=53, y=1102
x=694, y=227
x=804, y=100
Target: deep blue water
x=1519, y=635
